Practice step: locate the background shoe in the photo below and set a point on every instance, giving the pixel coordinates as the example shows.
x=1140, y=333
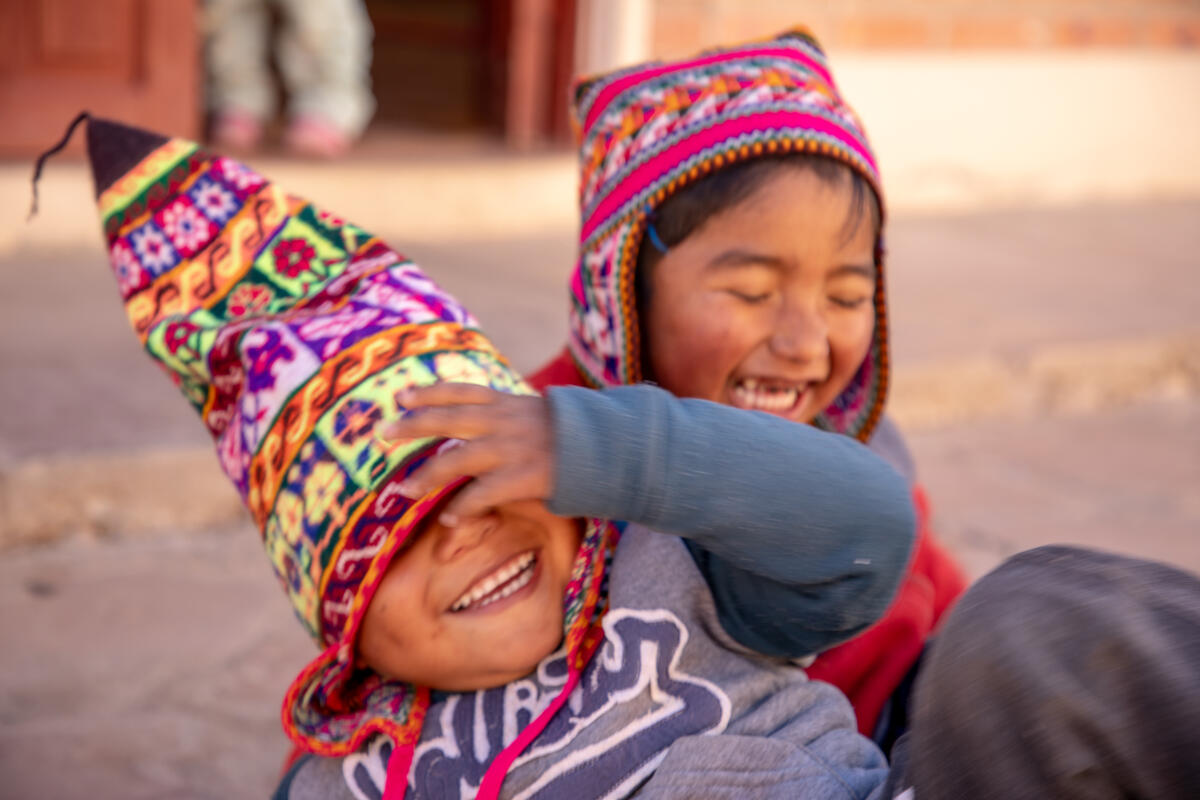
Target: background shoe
x=237, y=131
x=315, y=136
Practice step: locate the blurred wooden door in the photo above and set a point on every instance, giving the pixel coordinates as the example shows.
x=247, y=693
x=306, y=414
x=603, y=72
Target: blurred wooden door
x=502, y=65
x=133, y=60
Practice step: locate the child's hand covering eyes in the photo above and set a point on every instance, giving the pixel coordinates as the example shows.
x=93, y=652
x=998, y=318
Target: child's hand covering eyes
x=507, y=446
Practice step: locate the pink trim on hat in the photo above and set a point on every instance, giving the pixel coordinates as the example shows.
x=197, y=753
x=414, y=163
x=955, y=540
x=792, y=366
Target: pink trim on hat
x=577, y=284
x=616, y=87
x=663, y=163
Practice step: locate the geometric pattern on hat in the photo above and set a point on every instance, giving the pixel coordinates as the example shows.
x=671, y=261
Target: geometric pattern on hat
x=293, y=333
x=648, y=130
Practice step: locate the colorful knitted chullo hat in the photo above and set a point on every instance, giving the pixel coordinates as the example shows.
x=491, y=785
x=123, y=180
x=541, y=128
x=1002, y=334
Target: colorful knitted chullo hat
x=648, y=130
x=293, y=333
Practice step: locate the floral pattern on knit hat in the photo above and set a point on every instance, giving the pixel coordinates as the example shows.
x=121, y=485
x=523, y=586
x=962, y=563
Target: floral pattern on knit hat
x=648, y=130
x=293, y=333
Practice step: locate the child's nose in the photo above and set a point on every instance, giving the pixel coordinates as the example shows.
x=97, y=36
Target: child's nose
x=801, y=334
x=463, y=537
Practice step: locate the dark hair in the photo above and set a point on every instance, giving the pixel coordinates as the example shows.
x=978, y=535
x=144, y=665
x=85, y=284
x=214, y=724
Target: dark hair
x=681, y=214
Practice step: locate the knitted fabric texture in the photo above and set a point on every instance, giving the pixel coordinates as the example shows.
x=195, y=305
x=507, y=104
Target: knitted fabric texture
x=293, y=332
x=648, y=130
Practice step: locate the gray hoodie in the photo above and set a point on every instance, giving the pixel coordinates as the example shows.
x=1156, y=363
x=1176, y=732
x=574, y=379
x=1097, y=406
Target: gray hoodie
x=670, y=706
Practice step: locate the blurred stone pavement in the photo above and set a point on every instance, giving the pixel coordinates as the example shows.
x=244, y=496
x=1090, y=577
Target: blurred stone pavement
x=1047, y=369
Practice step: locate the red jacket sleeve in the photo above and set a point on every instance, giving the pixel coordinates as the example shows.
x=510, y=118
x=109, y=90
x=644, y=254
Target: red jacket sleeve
x=558, y=371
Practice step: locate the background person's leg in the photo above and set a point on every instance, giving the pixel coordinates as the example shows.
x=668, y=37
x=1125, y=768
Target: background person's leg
x=325, y=58
x=240, y=92
x=1064, y=673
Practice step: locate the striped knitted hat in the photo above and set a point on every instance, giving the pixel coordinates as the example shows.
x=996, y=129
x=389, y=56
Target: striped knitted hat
x=292, y=333
x=649, y=130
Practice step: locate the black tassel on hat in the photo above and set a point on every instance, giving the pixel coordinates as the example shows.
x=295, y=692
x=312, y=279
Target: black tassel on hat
x=113, y=150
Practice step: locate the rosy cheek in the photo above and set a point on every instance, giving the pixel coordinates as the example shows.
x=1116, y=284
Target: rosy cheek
x=862, y=341
x=703, y=350
x=725, y=345
x=849, y=348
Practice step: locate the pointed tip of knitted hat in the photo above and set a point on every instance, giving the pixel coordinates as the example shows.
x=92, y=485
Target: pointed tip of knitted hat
x=114, y=149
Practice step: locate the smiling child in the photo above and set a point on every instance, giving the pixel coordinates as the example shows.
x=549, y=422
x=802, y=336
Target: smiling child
x=731, y=249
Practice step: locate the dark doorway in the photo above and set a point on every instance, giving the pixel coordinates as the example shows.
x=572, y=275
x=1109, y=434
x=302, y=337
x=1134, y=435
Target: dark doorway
x=497, y=65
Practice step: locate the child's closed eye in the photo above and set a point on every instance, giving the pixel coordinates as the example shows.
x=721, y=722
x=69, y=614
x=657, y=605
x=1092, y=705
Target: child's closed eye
x=752, y=298
x=843, y=301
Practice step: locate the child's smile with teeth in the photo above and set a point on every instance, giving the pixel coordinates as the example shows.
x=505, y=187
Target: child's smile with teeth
x=772, y=397
x=514, y=575
x=472, y=606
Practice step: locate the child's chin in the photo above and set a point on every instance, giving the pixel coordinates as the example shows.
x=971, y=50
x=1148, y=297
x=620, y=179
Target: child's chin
x=517, y=668
x=520, y=651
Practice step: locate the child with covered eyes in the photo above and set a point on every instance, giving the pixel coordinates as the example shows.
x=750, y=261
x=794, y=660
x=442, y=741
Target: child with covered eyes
x=471, y=604
x=522, y=649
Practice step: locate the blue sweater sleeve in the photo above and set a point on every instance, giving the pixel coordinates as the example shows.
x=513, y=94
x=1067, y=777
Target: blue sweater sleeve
x=802, y=536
